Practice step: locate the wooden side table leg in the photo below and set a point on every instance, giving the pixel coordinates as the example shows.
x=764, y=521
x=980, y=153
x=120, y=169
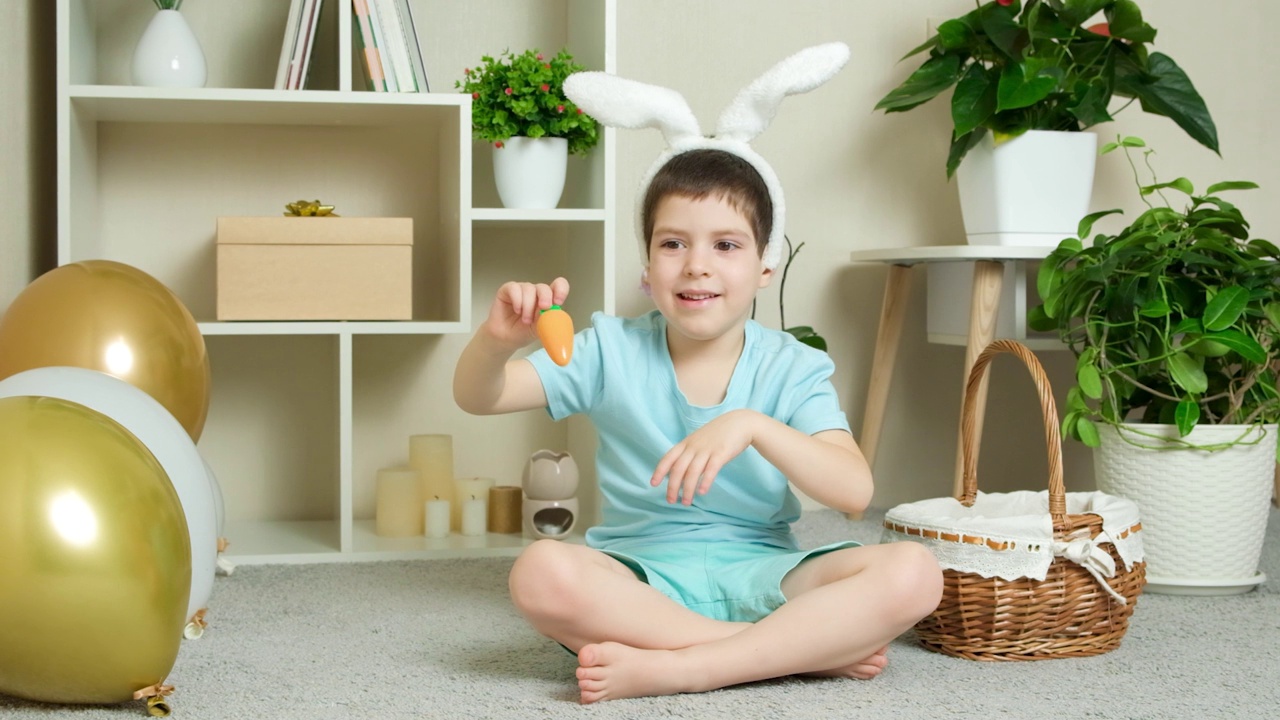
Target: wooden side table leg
x=984, y=305
x=888, y=335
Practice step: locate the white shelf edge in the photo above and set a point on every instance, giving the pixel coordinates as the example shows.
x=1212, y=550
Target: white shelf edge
x=1037, y=343
x=260, y=95
x=501, y=215
x=295, y=543
x=331, y=327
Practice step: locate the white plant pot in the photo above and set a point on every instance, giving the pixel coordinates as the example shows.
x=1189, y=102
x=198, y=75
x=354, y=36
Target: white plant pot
x=529, y=172
x=1029, y=191
x=1204, y=513
x=168, y=54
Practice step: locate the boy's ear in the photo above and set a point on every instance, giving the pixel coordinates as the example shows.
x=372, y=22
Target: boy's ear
x=766, y=277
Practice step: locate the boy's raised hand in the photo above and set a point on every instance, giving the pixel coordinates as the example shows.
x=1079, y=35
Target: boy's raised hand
x=691, y=466
x=514, y=312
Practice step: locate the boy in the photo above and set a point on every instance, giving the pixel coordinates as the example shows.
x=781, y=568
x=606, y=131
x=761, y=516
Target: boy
x=699, y=584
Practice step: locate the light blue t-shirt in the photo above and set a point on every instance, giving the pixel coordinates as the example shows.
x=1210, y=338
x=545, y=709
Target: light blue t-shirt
x=621, y=376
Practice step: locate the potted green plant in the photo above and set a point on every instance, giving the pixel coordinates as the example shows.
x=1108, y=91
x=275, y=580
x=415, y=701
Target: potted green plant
x=518, y=104
x=804, y=333
x=1175, y=325
x=1041, y=71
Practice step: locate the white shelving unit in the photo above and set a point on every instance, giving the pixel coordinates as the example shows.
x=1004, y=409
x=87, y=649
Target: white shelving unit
x=304, y=413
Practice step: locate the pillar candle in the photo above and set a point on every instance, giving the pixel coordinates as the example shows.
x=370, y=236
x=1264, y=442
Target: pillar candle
x=473, y=512
x=505, y=508
x=437, y=517
x=464, y=488
x=432, y=457
x=399, y=504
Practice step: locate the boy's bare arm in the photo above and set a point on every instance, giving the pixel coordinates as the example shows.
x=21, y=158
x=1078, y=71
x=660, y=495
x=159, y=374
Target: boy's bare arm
x=486, y=380
x=827, y=466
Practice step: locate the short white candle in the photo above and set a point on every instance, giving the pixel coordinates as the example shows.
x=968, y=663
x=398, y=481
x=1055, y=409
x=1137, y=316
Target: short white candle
x=469, y=487
x=473, y=515
x=437, y=515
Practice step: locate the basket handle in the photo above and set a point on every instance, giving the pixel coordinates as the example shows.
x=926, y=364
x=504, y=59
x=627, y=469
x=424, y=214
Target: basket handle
x=969, y=439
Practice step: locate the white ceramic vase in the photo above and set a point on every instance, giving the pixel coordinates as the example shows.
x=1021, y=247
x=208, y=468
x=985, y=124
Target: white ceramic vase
x=168, y=54
x=1204, y=513
x=529, y=172
x=1030, y=191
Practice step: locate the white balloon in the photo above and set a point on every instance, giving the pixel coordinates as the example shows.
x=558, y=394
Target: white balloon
x=160, y=432
x=218, y=507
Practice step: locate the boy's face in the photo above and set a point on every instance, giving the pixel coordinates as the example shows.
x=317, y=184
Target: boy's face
x=704, y=266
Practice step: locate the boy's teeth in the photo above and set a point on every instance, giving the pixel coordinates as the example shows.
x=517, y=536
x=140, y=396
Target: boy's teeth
x=700, y=296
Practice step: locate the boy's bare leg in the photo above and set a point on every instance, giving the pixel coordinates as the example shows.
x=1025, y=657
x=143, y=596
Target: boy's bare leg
x=577, y=595
x=843, y=608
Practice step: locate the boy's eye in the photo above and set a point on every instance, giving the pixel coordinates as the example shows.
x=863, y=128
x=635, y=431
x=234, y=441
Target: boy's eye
x=669, y=244
x=726, y=245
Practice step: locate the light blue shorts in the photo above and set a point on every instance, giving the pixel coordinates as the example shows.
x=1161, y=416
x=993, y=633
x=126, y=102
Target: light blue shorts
x=730, y=581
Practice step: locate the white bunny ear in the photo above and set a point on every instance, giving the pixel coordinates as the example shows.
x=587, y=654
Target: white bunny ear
x=754, y=108
x=623, y=103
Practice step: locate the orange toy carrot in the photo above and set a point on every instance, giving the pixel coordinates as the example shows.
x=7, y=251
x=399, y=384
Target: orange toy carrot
x=555, y=329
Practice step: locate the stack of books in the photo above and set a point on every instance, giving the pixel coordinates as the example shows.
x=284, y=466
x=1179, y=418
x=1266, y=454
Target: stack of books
x=385, y=38
x=387, y=42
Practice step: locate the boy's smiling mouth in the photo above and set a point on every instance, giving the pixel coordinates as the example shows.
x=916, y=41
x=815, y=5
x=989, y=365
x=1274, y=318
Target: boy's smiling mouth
x=691, y=296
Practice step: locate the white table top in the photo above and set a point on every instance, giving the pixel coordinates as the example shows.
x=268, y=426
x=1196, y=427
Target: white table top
x=949, y=253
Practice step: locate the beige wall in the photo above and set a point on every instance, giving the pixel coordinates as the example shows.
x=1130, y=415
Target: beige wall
x=854, y=179
x=27, y=166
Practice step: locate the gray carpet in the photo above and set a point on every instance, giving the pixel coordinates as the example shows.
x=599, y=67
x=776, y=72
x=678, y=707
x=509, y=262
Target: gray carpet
x=439, y=639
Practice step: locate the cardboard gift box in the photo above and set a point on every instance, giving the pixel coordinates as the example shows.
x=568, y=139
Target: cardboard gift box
x=315, y=268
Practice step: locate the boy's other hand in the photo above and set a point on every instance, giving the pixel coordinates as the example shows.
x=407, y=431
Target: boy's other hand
x=691, y=466
x=514, y=312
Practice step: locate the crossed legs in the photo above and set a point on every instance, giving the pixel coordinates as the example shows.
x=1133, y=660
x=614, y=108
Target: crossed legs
x=842, y=610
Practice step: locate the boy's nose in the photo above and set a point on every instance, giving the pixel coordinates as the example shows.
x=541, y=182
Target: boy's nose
x=696, y=265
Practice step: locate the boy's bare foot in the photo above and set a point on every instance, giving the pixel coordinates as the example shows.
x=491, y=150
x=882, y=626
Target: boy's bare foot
x=610, y=670
x=865, y=669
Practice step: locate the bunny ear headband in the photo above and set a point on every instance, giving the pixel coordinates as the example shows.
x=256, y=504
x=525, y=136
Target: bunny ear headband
x=623, y=103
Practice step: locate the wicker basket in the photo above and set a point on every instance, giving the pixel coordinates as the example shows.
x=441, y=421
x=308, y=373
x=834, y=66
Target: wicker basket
x=1073, y=611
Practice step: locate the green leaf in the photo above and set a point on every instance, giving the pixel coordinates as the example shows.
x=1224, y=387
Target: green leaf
x=1187, y=372
x=1088, y=432
x=1272, y=311
x=1002, y=29
x=1156, y=307
x=960, y=146
x=1089, y=381
x=954, y=35
x=1125, y=21
x=1186, y=416
x=1039, y=320
x=1086, y=223
x=973, y=101
x=1021, y=86
x=934, y=76
x=1242, y=344
x=1164, y=89
x=1225, y=308
x=1182, y=184
x=1075, y=12
x=1231, y=185
x=1133, y=141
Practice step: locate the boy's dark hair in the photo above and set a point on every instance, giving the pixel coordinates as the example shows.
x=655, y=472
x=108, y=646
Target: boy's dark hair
x=697, y=174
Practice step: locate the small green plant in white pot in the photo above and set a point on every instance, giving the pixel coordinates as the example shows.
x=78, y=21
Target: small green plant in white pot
x=518, y=105
x=1175, y=324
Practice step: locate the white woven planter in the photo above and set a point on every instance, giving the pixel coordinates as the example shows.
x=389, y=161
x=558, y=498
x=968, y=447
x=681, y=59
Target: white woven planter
x=1204, y=513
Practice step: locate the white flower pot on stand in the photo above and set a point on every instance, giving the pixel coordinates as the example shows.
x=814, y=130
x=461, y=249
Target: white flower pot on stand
x=1030, y=191
x=529, y=172
x=1204, y=513
x=168, y=54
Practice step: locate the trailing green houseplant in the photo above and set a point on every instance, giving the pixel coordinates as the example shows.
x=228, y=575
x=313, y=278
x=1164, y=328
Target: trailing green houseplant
x=804, y=333
x=1019, y=66
x=1175, y=319
x=523, y=95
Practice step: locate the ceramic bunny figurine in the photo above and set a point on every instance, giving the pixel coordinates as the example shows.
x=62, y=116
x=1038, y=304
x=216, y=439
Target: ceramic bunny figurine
x=550, y=481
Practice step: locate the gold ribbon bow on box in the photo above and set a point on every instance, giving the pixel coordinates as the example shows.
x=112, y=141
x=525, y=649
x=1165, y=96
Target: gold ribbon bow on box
x=309, y=208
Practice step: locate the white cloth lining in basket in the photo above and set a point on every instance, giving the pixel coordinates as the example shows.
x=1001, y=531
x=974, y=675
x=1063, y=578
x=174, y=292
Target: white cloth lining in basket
x=1022, y=519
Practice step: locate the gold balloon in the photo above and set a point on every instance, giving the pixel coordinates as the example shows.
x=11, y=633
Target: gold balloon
x=95, y=560
x=108, y=316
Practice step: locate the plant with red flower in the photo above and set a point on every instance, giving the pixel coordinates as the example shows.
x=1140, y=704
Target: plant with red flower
x=523, y=95
x=1035, y=65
